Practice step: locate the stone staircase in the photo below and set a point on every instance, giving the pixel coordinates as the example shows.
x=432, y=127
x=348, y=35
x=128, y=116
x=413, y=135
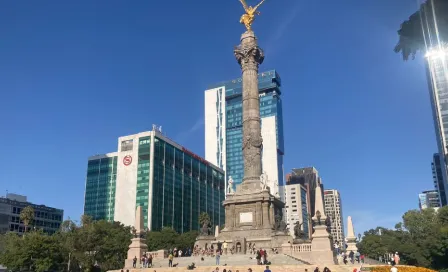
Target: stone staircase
x=277, y=259
x=279, y=263
x=244, y=268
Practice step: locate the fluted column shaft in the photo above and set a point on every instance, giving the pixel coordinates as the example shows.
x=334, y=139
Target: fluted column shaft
x=250, y=56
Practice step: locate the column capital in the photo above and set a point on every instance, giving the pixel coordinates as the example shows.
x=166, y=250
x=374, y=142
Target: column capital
x=249, y=56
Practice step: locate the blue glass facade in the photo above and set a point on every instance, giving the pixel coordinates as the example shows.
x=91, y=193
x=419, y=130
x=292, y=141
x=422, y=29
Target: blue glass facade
x=269, y=84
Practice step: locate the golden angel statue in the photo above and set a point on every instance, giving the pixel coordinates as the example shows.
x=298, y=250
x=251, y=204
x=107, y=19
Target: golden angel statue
x=248, y=18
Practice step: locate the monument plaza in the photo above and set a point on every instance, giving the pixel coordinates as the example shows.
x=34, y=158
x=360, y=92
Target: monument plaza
x=253, y=215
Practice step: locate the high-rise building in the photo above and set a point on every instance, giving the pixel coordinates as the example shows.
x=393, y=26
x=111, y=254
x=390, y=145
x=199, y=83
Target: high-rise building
x=46, y=218
x=437, y=176
x=296, y=208
x=223, y=128
x=333, y=209
x=437, y=74
x=309, y=178
x=172, y=184
x=429, y=199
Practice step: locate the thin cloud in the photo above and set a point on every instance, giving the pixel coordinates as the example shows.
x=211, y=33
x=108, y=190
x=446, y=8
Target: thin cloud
x=184, y=135
x=282, y=28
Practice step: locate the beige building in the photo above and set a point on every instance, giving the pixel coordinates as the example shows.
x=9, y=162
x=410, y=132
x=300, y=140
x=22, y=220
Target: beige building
x=296, y=208
x=333, y=209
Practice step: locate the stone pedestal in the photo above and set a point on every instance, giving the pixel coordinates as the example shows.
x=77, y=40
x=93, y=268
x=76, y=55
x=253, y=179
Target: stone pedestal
x=250, y=218
x=204, y=241
x=321, y=247
x=136, y=249
x=322, y=252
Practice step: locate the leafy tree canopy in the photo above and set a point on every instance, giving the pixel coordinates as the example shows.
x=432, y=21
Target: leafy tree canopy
x=426, y=27
x=421, y=239
x=80, y=247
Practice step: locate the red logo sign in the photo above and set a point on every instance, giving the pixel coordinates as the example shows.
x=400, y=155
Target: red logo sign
x=127, y=160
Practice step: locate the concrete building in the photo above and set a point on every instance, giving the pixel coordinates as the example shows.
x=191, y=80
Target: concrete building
x=437, y=75
x=46, y=218
x=333, y=209
x=429, y=199
x=223, y=128
x=309, y=178
x=437, y=176
x=296, y=208
x=172, y=184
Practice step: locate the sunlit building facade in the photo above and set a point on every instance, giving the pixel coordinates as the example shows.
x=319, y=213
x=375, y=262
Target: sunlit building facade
x=333, y=209
x=223, y=128
x=172, y=184
x=437, y=74
x=429, y=199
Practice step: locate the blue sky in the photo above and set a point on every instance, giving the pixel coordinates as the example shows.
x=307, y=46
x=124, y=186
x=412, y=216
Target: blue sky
x=76, y=75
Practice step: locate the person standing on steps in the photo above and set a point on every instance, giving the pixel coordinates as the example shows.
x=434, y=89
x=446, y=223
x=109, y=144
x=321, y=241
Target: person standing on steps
x=170, y=260
x=134, y=262
x=218, y=256
x=224, y=245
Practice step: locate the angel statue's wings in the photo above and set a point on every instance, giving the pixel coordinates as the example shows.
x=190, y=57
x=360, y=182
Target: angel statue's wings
x=259, y=4
x=244, y=5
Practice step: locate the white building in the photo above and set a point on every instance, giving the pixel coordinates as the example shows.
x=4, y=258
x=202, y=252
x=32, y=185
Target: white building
x=333, y=209
x=171, y=184
x=296, y=208
x=223, y=129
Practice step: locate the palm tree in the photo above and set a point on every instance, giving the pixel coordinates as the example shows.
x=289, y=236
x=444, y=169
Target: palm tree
x=27, y=216
x=425, y=28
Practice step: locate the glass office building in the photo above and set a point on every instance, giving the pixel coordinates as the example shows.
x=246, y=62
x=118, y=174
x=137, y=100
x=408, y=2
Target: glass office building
x=172, y=184
x=99, y=200
x=437, y=176
x=437, y=74
x=223, y=128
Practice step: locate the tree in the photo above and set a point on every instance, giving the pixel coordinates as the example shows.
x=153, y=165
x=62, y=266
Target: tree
x=421, y=239
x=27, y=216
x=35, y=251
x=204, y=218
x=428, y=26
x=187, y=239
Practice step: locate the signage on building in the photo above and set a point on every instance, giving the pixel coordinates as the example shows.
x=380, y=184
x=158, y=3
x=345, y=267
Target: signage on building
x=127, y=160
x=194, y=156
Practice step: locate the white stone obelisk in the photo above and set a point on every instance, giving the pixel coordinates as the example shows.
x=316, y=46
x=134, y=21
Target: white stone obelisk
x=322, y=252
x=351, y=238
x=138, y=246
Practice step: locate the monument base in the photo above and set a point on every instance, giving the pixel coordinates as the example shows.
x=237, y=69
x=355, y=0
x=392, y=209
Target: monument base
x=351, y=245
x=136, y=249
x=321, y=250
x=203, y=241
x=251, y=220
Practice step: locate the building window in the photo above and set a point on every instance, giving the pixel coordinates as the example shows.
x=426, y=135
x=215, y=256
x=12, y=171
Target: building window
x=127, y=145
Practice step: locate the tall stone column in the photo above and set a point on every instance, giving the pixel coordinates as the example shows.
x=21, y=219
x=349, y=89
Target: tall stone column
x=250, y=56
